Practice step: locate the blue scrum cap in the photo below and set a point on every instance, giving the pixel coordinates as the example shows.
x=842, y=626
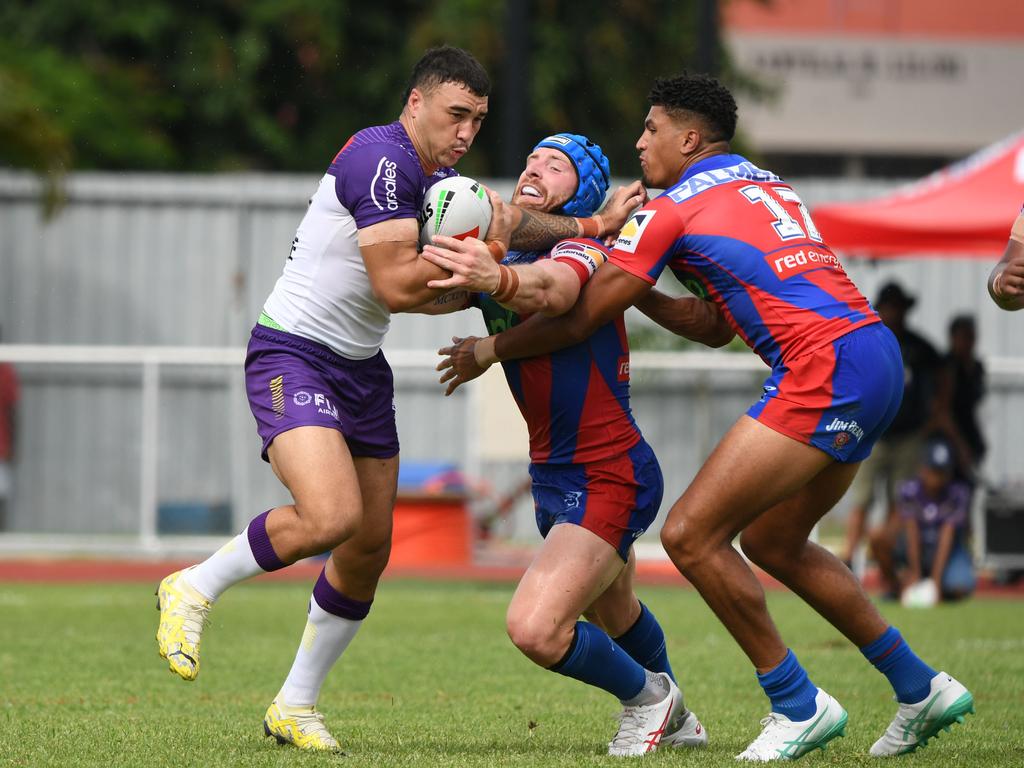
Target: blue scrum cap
x=592, y=171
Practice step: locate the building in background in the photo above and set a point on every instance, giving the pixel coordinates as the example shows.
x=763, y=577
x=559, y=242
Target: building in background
x=892, y=88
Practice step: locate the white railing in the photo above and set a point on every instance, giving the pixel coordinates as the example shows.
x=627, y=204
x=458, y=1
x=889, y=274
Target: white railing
x=152, y=359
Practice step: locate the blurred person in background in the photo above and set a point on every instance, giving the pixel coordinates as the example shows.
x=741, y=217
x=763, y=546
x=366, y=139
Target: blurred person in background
x=322, y=392
x=925, y=408
x=597, y=484
x=1006, y=282
x=967, y=389
x=9, y=392
x=934, y=510
x=741, y=237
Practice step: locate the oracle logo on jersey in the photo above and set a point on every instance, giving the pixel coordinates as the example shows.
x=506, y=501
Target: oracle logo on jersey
x=796, y=262
x=385, y=175
x=629, y=237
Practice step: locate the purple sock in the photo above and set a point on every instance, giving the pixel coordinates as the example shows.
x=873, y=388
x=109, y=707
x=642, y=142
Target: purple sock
x=334, y=602
x=259, y=542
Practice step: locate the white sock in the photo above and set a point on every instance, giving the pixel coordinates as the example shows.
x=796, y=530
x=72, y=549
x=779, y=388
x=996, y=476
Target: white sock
x=325, y=638
x=232, y=563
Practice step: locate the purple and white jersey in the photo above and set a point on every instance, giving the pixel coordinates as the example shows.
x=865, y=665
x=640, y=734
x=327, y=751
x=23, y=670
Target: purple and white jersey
x=324, y=293
x=952, y=506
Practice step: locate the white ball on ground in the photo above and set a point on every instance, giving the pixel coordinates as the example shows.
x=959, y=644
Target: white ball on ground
x=921, y=594
x=457, y=207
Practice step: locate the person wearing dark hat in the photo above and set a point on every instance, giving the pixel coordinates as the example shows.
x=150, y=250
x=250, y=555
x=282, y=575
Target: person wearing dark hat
x=934, y=511
x=967, y=389
x=924, y=409
x=596, y=482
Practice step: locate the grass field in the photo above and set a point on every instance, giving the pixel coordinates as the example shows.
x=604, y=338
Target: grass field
x=433, y=681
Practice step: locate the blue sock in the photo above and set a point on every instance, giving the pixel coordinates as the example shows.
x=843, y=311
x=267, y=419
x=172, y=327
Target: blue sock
x=789, y=689
x=909, y=676
x=645, y=643
x=595, y=659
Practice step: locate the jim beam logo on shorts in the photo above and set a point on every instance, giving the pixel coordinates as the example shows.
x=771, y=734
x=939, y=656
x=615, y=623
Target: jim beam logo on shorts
x=277, y=396
x=847, y=430
x=319, y=401
x=630, y=235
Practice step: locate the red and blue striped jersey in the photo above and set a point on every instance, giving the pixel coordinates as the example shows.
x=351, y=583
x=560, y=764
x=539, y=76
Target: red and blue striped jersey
x=740, y=236
x=575, y=400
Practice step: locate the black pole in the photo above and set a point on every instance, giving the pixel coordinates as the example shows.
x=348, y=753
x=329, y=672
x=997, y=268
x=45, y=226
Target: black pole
x=515, y=97
x=707, y=37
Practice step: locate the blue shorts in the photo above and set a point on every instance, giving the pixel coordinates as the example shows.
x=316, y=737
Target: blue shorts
x=295, y=382
x=840, y=398
x=616, y=499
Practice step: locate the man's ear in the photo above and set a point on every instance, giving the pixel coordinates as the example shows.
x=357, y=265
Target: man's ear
x=414, y=101
x=691, y=141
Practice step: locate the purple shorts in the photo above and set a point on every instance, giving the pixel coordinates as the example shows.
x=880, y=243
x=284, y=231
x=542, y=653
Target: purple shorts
x=295, y=382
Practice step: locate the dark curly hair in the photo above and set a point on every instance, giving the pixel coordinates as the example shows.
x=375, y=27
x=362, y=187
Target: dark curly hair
x=448, y=64
x=702, y=95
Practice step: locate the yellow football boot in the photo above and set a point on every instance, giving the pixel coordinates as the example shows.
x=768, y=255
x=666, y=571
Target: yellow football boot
x=183, y=614
x=302, y=726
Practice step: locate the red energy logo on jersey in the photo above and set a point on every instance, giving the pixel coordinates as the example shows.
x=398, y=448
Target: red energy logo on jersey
x=796, y=262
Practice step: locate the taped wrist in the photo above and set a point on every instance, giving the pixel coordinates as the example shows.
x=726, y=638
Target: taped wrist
x=497, y=249
x=592, y=226
x=508, y=284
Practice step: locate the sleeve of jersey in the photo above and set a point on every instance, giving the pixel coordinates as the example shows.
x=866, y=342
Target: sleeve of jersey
x=378, y=182
x=647, y=241
x=584, y=256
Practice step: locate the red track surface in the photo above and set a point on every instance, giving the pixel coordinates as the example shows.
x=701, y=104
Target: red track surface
x=39, y=570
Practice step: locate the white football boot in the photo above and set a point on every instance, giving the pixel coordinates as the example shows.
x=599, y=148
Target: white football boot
x=685, y=731
x=947, y=702
x=641, y=728
x=785, y=739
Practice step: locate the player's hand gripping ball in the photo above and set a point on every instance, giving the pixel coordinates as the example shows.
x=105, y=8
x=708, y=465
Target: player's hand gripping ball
x=457, y=207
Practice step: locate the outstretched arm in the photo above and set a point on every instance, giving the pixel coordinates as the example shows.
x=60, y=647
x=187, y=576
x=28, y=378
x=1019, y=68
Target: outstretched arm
x=1006, y=283
x=687, y=316
x=608, y=293
x=549, y=285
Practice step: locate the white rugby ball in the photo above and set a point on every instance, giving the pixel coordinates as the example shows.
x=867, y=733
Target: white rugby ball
x=458, y=207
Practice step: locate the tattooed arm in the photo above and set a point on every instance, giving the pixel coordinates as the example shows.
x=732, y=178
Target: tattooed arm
x=536, y=230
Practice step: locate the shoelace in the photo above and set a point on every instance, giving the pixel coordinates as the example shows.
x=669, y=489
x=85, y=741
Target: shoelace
x=312, y=723
x=630, y=728
x=193, y=619
x=759, y=747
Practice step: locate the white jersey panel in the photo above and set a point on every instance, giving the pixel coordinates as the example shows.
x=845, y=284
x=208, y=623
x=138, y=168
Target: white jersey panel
x=324, y=293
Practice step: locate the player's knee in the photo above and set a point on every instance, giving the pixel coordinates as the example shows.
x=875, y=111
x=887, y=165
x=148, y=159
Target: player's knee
x=541, y=642
x=324, y=532
x=683, y=545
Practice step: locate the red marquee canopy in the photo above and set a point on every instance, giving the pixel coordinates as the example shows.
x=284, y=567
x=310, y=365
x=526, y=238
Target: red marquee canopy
x=965, y=209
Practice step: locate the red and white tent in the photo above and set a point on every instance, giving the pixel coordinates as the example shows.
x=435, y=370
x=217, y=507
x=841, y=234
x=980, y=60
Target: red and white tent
x=965, y=209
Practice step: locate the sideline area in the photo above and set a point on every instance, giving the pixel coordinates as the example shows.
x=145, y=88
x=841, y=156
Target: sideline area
x=506, y=565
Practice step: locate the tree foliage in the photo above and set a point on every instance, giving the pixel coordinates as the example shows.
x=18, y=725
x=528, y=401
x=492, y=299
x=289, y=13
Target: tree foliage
x=281, y=84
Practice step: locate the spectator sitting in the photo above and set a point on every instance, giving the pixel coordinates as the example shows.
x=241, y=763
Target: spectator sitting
x=935, y=510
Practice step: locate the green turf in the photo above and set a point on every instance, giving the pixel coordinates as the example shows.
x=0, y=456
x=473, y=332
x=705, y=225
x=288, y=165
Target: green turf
x=433, y=681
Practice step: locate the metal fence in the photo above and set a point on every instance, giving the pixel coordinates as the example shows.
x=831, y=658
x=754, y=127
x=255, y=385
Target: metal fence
x=125, y=314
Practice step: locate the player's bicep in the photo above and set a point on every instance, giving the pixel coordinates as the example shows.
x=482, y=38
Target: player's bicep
x=388, y=249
